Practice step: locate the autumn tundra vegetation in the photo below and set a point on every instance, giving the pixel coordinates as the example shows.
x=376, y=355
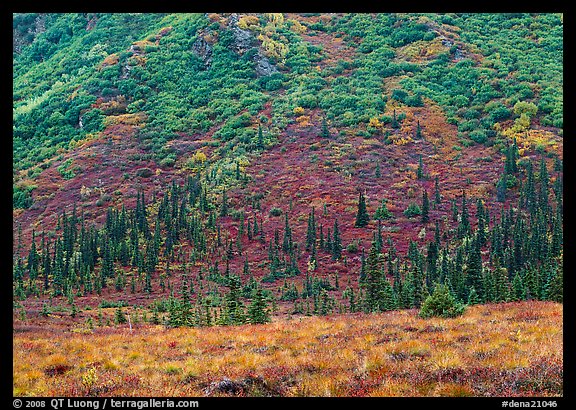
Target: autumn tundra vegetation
x=284, y=204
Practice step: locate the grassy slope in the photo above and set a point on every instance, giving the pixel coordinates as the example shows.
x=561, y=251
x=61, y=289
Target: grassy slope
x=512, y=349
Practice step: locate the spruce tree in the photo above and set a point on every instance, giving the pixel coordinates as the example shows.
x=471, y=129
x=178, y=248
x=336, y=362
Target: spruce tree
x=420, y=170
x=373, y=281
x=119, y=317
x=473, y=298
x=544, y=188
x=425, y=207
x=224, y=206
x=554, y=287
x=501, y=187
x=234, y=313
x=418, y=130
x=474, y=277
x=387, y=300
x=394, y=120
x=336, y=242
x=437, y=196
x=441, y=303
x=325, y=133
x=33, y=259
x=362, y=276
x=324, y=307
x=518, y=291
x=362, y=216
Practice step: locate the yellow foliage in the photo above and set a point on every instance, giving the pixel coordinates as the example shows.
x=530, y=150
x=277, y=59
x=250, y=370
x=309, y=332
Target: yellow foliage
x=522, y=122
x=199, y=157
x=303, y=120
x=125, y=119
x=298, y=110
x=375, y=122
x=297, y=27
x=273, y=48
x=277, y=19
x=530, y=139
x=247, y=22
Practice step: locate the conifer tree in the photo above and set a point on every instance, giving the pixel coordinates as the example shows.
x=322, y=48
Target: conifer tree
x=382, y=212
x=518, y=291
x=473, y=298
x=362, y=216
x=464, y=226
x=394, y=120
x=324, y=307
x=373, y=281
x=425, y=207
x=544, y=188
x=418, y=130
x=311, y=232
x=33, y=258
x=224, y=206
x=501, y=188
x=420, y=170
x=437, y=196
x=530, y=189
x=336, y=242
x=325, y=133
x=554, y=287
x=234, y=313
x=387, y=300
x=441, y=303
x=119, y=317
x=474, y=277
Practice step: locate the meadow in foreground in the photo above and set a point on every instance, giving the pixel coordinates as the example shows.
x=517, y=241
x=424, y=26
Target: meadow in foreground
x=508, y=349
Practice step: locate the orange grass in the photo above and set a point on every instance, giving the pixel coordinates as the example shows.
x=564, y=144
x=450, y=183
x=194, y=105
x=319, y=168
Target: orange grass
x=511, y=349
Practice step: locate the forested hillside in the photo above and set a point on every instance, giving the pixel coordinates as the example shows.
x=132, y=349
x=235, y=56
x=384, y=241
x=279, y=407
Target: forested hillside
x=223, y=169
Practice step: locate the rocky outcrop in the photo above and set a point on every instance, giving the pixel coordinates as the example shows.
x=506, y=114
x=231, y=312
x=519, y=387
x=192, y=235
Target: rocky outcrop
x=263, y=66
x=25, y=33
x=244, y=41
x=203, y=49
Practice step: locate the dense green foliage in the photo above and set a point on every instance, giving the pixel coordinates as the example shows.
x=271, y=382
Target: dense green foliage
x=67, y=65
x=441, y=303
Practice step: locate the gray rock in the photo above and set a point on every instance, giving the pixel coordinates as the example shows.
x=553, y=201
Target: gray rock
x=244, y=41
x=202, y=49
x=263, y=66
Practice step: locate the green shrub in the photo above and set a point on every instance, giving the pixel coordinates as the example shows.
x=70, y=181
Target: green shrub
x=478, y=136
x=275, y=212
x=441, y=303
x=21, y=198
x=412, y=210
x=352, y=247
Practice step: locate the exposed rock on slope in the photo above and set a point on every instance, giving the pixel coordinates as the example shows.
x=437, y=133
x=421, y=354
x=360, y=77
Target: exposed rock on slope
x=244, y=41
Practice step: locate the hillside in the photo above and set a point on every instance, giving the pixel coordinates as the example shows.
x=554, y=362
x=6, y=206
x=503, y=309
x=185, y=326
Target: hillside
x=209, y=169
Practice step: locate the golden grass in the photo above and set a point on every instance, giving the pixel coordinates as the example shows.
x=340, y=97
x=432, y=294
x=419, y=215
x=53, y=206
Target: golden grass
x=491, y=350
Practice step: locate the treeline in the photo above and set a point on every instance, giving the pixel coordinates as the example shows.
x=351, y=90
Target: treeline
x=516, y=256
